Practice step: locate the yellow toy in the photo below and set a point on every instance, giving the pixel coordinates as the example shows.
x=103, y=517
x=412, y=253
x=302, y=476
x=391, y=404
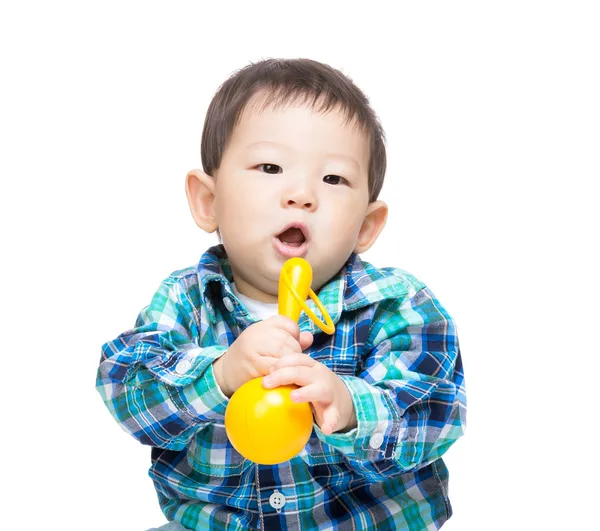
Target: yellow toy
x=264, y=425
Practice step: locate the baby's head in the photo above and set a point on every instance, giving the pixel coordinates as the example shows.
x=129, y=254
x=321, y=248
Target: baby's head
x=293, y=159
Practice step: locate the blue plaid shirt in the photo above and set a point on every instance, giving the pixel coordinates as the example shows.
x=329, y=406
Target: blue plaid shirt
x=395, y=348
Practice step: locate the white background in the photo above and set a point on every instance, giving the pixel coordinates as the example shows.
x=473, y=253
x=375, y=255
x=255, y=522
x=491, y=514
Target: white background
x=493, y=124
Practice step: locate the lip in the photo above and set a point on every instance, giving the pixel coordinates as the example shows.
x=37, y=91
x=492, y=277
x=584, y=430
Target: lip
x=290, y=251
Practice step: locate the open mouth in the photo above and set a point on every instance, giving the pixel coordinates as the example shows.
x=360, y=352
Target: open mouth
x=292, y=241
x=292, y=236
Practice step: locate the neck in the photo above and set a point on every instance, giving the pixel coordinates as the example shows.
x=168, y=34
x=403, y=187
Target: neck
x=251, y=291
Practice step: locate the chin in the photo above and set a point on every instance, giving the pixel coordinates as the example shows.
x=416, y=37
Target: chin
x=268, y=268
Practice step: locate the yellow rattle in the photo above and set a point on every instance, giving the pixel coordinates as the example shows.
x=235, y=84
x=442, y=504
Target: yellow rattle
x=264, y=425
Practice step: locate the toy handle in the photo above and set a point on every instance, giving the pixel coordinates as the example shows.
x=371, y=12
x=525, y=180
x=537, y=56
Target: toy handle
x=296, y=276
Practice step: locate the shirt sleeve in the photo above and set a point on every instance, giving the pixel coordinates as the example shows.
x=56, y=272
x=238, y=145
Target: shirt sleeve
x=410, y=398
x=156, y=381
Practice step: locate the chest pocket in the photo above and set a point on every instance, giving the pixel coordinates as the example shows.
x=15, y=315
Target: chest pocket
x=211, y=453
x=342, y=352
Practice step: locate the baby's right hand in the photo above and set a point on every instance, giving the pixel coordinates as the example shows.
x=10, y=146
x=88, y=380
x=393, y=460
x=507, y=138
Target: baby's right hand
x=256, y=349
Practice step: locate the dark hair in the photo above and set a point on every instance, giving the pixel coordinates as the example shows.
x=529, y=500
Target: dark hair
x=285, y=80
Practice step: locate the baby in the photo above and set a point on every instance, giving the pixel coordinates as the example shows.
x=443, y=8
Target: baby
x=293, y=162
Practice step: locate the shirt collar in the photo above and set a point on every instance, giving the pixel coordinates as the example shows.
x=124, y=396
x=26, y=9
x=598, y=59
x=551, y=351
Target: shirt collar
x=358, y=284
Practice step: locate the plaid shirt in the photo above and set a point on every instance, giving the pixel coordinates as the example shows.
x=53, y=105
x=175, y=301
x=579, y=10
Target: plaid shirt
x=395, y=348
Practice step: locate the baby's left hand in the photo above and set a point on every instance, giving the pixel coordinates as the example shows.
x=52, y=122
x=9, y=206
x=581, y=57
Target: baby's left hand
x=333, y=406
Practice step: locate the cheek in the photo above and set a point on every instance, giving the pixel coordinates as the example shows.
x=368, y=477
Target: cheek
x=243, y=217
x=343, y=224
x=231, y=200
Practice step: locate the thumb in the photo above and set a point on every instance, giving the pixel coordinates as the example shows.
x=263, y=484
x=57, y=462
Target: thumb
x=330, y=421
x=305, y=340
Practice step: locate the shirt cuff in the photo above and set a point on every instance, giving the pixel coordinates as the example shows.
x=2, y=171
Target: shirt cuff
x=377, y=424
x=191, y=382
x=183, y=366
x=205, y=398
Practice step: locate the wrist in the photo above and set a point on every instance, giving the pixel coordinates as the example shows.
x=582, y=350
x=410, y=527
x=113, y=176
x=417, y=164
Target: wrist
x=348, y=407
x=351, y=423
x=218, y=371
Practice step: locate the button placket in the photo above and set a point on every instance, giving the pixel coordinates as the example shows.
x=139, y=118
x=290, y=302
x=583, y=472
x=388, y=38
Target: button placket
x=277, y=500
x=259, y=499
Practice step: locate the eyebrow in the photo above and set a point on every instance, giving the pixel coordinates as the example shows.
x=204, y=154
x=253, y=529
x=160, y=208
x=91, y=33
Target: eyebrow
x=339, y=156
x=264, y=143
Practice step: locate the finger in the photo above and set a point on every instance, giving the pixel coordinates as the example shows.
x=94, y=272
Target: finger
x=285, y=323
x=293, y=360
x=263, y=364
x=281, y=340
x=288, y=375
x=292, y=344
x=315, y=392
x=331, y=418
x=305, y=340
x=278, y=343
x=278, y=354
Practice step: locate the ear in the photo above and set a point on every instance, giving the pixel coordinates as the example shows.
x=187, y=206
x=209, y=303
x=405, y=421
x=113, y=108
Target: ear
x=200, y=191
x=372, y=225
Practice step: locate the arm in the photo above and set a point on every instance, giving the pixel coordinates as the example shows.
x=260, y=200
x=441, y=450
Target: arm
x=155, y=380
x=409, y=399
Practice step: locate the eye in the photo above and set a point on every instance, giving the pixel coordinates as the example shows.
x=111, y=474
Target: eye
x=334, y=179
x=270, y=168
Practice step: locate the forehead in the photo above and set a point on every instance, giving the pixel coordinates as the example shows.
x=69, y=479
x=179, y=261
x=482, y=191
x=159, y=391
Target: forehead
x=303, y=127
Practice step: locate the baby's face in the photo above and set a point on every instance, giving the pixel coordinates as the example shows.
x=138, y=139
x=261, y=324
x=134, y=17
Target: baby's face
x=292, y=182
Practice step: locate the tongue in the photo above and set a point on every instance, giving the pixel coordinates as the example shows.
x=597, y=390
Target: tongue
x=292, y=236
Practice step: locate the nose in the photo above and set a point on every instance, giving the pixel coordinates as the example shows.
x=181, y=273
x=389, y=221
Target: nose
x=300, y=196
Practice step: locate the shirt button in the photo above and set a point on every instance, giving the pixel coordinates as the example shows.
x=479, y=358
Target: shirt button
x=376, y=440
x=183, y=366
x=277, y=500
x=228, y=304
